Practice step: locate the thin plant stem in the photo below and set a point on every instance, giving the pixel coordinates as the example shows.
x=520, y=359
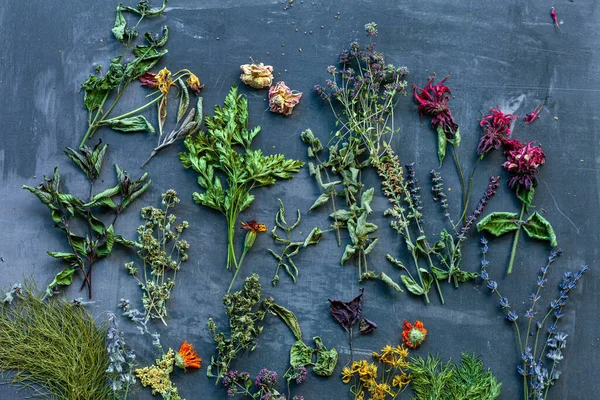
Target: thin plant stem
x=468, y=196
x=461, y=176
x=237, y=268
x=515, y=241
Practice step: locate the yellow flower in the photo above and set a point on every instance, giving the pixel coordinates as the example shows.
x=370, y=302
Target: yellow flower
x=194, y=83
x=346, y=374
x=164, y=80
x=257, y=75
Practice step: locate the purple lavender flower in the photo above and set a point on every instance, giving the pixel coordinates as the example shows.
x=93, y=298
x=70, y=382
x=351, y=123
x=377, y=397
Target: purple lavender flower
x=512, y=316
x=266, y=379
x=489, y=193
x=371, y=29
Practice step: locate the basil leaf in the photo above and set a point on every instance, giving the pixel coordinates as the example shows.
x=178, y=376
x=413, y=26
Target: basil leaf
x=538, y=227
x=326, y=359
x=347, y=313
x=348, y=253
x=301, y=354
x=440, y=274
x=499, y=223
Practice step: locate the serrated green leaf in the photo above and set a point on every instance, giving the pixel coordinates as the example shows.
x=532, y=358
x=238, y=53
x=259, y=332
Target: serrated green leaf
x=105, y=248
x=499, y=223
x=68, y=257
x=538, y=227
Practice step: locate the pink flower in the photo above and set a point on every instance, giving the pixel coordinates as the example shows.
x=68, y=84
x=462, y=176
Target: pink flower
x=282, y=99
x=523, y=162
x=433, y=101
x=532, y=116
x=496, y=130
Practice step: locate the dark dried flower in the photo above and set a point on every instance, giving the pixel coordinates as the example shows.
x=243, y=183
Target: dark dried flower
x=496, y=129
x=433, y=101
x=367, y=326
x=522, y=162
x=532, y=116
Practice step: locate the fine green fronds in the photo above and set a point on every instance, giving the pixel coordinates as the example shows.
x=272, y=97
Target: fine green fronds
x=95, y=240
x=162, y=252
x=291, y=248
x=431, y=379
x=55, y=348
x=124, y=69
x=224, y=152
x=245, y=312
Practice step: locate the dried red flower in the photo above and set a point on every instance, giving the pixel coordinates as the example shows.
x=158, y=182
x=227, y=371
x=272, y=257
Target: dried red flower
x=282, y=99
x=254, y=226
x=433, y=101
x=413, y=335
x=532, y=116
x=496, y=130
x=187, y=357
x=522, y=162
x=148, y=79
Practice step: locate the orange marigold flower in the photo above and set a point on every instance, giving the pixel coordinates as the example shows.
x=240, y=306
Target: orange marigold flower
x=187, y=357
x=254, y=226
x=413, y=335
x=282, y=99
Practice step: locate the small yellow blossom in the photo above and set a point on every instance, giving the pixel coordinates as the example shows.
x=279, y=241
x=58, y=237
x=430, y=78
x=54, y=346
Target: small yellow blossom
x=164, y=80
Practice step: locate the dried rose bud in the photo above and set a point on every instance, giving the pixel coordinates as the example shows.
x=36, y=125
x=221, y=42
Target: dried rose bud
x=282, y=99
x=258, y=76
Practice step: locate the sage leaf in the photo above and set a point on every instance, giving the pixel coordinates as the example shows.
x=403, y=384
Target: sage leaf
x=322, y=199
x=411, y=285
x=184, y=100
x=367, y=326
x=499, y=223
x=538, y=227
x=139, y=123
x=288, y=317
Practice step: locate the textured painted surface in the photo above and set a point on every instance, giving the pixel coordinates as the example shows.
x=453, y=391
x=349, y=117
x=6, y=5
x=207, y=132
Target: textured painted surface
x=500, y=53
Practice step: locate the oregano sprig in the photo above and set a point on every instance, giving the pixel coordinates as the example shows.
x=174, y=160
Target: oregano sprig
x=228, y=168
x=96, y=241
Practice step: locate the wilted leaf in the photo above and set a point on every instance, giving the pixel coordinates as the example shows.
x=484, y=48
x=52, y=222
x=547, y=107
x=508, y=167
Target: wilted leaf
x=326, y=359
x=288, y=317
x=367, y=326
x=139, y=123
x=301, y=354
x=347, y=313
x=538, y=227
x=499, y=223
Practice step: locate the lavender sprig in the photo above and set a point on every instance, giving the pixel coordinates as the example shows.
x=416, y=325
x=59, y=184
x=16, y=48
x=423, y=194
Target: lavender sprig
x=489, y=193
x=437, y=188
x=537, y=378
x=121, y=360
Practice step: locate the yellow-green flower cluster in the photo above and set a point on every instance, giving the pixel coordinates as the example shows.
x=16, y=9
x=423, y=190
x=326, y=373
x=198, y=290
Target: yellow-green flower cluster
x=158, y=377
x=382, y=380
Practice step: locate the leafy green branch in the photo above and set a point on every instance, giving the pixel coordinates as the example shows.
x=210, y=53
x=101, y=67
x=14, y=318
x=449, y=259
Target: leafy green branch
x=291, y=248
x=228, y=168
x=98, y=239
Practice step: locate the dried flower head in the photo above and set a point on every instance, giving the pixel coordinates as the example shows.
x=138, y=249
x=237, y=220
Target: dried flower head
x=496, y=129
x=254, y=226
x=433, y=101
x=413, y=335
x=194, y=83
x=523, y=162
x=282, y=99
x=164, y=81
x=258, y=76
x=187, y=357
x=532, y=116
x=148, y=79
x=158, y=377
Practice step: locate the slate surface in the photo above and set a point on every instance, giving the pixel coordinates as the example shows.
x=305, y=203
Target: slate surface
x=499, y=53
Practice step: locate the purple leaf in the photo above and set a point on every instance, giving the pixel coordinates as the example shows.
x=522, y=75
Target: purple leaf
x=367, y=326
x=347, y=313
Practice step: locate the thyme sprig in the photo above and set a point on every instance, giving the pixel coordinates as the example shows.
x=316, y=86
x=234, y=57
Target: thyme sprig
x=224, y=152
x=162, y=252
x=97, y=239
x=291, y=248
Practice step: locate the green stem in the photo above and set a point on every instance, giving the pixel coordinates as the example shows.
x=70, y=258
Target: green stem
x=468, y=196
x=461, y=176
x=237, y=268
x=437, y=284
x=127, y=114
x=515, y=241
x=89, y=133
x=414, y=256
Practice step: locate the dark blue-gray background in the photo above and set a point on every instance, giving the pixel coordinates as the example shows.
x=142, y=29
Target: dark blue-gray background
x=505, y=54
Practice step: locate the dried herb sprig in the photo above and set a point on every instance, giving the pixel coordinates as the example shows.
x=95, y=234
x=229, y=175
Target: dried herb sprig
x=56, y=349
x=226, y=149
x=121, y=72
x=265, y=384
x=291, y=248
x=432, y=379
x=162, y=252
x=245, y=310
x=537, y=377
x=121, y=359
x=97, y=240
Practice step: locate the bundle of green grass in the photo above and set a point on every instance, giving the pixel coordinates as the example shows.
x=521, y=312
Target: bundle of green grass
x=53, y=348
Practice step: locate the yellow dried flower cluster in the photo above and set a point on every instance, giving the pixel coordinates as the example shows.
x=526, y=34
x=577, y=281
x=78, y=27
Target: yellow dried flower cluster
x=387, y=378
x=158, y=377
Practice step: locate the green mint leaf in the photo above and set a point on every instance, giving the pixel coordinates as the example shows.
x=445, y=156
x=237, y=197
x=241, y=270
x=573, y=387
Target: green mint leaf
x=538, y=227
x=499, y=223
x=138, y=123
